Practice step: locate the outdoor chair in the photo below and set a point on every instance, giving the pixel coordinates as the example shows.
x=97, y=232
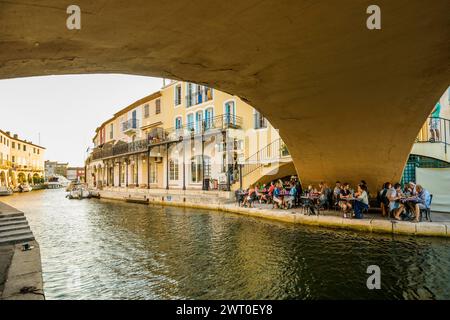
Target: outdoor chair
x=427, y=212
x=253, y=198
x=239, y=194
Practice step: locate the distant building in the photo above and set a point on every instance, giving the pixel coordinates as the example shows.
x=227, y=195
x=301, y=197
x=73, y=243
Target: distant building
x=184, y=136
x=53, y=168
x=75, y=174
x=21, y=161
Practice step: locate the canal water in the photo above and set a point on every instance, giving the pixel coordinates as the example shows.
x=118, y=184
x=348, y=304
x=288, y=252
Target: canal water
x=101, y=249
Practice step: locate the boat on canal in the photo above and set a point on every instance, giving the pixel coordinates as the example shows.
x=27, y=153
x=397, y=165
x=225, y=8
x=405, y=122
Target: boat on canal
x=56, y=182
x=78, y=191
x=24, y=188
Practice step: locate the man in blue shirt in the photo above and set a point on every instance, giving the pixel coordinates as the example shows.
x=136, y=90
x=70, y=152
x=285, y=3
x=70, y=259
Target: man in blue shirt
x=423, y=201
x=292, y=195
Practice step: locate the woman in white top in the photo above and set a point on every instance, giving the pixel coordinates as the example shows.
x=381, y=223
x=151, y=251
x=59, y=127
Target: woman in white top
x=361, y=201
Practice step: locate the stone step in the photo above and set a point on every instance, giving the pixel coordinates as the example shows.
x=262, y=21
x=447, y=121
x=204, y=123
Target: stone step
x=15, y=233
x=14, y=227
x=22, y=218
x=14, y=223
x=16, y=239
x=11, y=214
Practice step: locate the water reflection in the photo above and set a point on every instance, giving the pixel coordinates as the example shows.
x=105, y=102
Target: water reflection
x=100, y=249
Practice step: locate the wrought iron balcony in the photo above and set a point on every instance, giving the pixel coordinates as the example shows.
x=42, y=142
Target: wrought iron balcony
x=259, y=121
x=5, y=163
x=160, y=135
x=120, y=148
x=198, y=97
x=208, y=125
x=130, y=126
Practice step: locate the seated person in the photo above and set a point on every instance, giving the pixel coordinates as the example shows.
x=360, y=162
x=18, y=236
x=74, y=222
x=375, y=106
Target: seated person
x=412, y=188
x=262, y=195
x=423, y=201
x=409, y=192
x=269, y=195
x=277, y=199
x=248, y=199
x=337, y=189
x=383, y=200
x=363, y=182
x=361, y=201
x=394, y=195
x=324, y=196
x=346, y=206
x=336, y=193
x=271, y=188
x=292, y=195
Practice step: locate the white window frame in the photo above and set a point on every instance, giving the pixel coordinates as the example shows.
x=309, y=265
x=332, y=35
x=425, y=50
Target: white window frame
x=174, y=169
x=234, y=108
x=188, y=124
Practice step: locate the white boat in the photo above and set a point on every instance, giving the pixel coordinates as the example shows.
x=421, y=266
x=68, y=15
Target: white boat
x=5, y=191
x=79, y=191
x=24, y=188
x=56, y=182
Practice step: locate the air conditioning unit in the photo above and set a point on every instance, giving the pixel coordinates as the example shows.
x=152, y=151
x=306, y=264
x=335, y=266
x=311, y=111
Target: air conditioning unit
x=158, y=159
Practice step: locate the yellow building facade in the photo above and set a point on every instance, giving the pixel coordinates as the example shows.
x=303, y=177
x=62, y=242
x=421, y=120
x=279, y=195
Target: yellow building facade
x=184, y=136
x=21, y=161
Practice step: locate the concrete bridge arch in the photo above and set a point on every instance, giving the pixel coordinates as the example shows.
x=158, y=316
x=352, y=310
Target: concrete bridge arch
x=348, y=101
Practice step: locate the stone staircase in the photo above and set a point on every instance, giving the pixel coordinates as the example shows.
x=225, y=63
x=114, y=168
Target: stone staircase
x=14, y=226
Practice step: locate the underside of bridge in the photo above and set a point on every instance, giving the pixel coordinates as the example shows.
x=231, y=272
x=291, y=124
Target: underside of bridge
x=348, y=101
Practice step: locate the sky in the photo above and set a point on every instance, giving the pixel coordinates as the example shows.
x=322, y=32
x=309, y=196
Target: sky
x=64, y=111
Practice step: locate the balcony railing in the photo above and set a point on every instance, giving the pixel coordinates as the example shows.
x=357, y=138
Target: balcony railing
x=132, y=124
x=435, y=130
x=120, y=149
x=160, y=135
x=5, y=163
x=271, y=153
x=198, y=97
x=205, y=126
x=259, y=121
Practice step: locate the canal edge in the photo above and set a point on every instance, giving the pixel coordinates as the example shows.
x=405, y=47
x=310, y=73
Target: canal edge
x=23, y=275
x=426, y=229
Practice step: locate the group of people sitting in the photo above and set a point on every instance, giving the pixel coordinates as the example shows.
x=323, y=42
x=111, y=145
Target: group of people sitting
x=406, y=203
x=395, y=202
x=347, y=199
x=282, y=195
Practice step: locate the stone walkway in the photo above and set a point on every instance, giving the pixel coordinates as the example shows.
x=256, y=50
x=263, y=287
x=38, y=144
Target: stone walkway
x=6, y=254
x=18, y=269
x=372, y=222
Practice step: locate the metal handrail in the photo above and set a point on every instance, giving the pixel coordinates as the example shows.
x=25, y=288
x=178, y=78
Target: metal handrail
x=160, y=135
x=259, y=121
x=441, y=125
x=130, y=124
x=220, y=122
x=274, y=151
x=199, y=96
